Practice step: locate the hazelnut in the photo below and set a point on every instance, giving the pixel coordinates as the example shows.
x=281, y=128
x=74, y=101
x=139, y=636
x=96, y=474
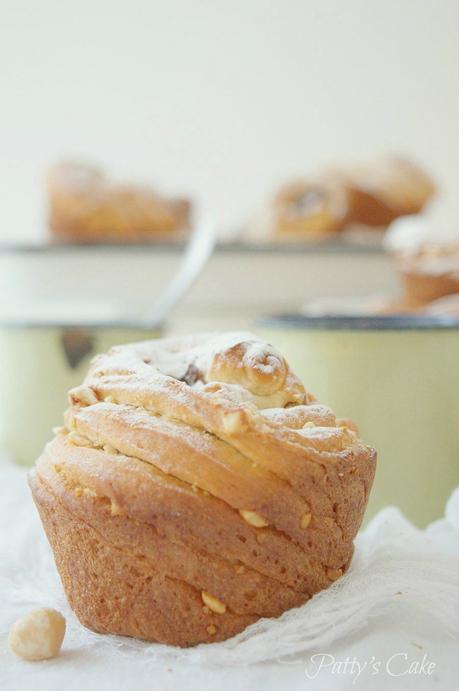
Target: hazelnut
x=212, y=603
x=82, y=395
x=305, y=520
x=212, y=387
x=253, y=518
x=38, y=635
x=334, y=574
x=115, y=508
x=233, y=422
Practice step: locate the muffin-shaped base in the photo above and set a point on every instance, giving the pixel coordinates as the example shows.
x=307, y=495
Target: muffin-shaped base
x=196, y=488
x=113, y=588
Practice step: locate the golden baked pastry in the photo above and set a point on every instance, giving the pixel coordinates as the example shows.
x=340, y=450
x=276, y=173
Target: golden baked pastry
x=308, y=209
x=371, y=195
x=86, y=207
x=430, y=272
x=381, y=191
x=196, y=487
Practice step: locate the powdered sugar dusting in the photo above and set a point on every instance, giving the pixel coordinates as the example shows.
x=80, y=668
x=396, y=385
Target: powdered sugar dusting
x=173, y=356
x=177, y=375
x=265, y=357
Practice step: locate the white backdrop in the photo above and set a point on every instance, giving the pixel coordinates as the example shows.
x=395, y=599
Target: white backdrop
x=221, y=98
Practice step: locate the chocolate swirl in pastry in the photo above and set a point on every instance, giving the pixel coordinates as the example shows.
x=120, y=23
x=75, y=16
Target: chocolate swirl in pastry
x=196, y=487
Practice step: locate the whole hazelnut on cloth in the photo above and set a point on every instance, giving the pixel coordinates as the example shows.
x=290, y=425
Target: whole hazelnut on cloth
x=37, y=635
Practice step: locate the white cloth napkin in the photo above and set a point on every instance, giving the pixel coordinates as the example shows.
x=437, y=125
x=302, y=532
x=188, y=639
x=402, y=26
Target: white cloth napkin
x=396, y=568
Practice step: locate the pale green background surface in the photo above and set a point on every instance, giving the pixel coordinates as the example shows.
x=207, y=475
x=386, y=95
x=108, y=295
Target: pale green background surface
x=402, y=389
x=35, y=377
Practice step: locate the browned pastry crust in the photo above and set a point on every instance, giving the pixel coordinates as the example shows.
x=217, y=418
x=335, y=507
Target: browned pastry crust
x=198, y=487
x=370, y=195
x=380, y=192
x=429, y=273
x=85, y=207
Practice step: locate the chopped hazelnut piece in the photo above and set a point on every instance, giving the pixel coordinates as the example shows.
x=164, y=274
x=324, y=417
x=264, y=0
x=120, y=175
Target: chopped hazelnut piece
x=305, y=520
x=233, y=423
x=213, y=603
x=115, y=508
x=253, y=518
x=82, y=395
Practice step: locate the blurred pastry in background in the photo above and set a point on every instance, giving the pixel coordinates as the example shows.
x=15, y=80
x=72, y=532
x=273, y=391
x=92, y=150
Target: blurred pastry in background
x=430, y=272
x=381, y=191
x=345, y=200
x=86, y=207
x=309, y=208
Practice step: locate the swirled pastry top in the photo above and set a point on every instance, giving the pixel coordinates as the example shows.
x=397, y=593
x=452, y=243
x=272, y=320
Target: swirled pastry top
x=225, y=384
x=226, y=415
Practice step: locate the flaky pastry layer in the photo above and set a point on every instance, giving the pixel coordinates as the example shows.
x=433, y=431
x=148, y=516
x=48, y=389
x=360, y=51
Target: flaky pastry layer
x=202, y=467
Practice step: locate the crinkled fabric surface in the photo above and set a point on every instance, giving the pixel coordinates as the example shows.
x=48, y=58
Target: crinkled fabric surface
x=396, y=569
